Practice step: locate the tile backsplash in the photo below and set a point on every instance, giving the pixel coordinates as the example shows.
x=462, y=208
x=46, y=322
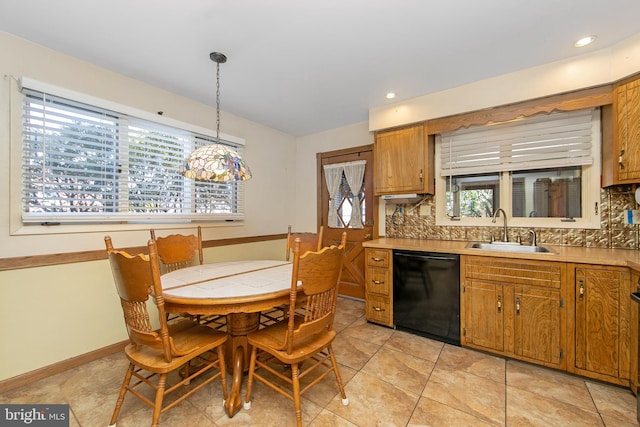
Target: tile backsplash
x=614, y=232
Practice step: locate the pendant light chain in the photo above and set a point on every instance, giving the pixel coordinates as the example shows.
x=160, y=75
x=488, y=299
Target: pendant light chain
x=218, y=102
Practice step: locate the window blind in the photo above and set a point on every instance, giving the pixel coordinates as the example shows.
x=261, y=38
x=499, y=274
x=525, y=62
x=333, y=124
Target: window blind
x=545, y=141
x=84, y=163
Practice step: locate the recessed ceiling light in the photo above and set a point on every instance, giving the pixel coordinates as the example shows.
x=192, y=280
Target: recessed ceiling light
x=584, y=41
x=390, y=95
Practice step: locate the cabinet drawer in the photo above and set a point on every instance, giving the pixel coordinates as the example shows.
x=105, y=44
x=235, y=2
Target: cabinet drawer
x=378, y=281
x=378, y=258
x=378, y=309
x=517, y=272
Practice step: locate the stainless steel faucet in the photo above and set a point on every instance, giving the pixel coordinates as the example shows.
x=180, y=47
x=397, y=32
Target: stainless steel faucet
x=534, y=237
x=505, y=236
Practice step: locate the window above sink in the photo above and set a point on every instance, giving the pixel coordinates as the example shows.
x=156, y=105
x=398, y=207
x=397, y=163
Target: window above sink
x=541, y=176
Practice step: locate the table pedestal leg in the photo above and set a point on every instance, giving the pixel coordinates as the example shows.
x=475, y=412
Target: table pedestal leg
x=234, y=401
x=237, y=354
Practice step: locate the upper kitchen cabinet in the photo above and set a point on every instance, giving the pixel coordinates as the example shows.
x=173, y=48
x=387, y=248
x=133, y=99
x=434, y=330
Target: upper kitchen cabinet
x=626, y=131
x=403, y=160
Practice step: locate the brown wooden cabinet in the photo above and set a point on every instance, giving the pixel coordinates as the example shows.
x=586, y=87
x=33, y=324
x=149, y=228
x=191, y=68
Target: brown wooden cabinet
x=603, y=323
x=403, y=161
x=569, y=316
x=537, y=333
x=379, y=286
x=514, y=308
x=482, y=319
x=626, y=131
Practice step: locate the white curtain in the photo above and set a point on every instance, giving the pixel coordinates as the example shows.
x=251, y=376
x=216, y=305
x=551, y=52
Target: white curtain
x=354, y=173
x=333, y=176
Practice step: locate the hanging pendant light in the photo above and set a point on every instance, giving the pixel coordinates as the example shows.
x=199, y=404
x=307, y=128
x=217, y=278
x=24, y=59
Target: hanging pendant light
x=216, y=162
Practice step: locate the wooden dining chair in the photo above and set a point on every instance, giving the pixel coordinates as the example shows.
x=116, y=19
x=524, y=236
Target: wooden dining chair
x=178, y=251
x=155, y=353
x=308, y=242
x=306, y=334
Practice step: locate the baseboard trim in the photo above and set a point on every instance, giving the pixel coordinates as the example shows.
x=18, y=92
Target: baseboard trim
x=56, y=368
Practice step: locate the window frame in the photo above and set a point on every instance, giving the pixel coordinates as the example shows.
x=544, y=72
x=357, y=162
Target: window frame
x=590, y=195
x=105, y=221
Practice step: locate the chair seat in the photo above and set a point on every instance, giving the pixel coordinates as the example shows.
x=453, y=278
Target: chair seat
x=272, y=337
x=189, y=339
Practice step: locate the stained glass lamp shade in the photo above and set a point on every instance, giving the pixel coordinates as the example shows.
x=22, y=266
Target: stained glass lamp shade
x=216, y=162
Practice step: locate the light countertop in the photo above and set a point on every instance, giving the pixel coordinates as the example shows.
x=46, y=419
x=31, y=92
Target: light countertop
x=616, y=257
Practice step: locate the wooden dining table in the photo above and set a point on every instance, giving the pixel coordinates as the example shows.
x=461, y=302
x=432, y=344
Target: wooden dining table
x=238, y=289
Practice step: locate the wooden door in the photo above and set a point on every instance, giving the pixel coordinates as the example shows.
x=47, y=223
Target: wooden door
x=602, y=333
x=537, y=324
x=483, y=315
x=353, y=273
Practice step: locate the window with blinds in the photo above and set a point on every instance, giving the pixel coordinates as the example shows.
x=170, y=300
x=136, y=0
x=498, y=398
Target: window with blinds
x=85, y=163
x=543, y=171
x=549, y=140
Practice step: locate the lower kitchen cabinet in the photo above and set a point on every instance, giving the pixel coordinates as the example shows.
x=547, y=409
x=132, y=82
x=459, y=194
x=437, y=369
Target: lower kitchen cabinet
x=514, y=308
x=603, y=323
x=537, y=325
x=634, y=331
x=569, y=316
x=379, y=286
x=482, y=319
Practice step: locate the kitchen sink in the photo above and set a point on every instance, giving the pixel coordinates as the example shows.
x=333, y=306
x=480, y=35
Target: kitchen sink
x=510, y=247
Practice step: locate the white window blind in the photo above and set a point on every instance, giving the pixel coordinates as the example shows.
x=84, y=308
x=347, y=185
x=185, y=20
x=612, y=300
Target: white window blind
x=85, y=163
x=545, y=141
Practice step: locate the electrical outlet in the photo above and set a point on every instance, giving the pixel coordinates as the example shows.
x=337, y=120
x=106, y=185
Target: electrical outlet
x=425, y=210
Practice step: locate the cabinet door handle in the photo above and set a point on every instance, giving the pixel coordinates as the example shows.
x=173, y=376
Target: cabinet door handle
x=374, y=259
x=378, y=308
x=581, y=290
x=620, y=163
x=420, y=175
x=518, y=306
x=499, y=303
x=378, y=282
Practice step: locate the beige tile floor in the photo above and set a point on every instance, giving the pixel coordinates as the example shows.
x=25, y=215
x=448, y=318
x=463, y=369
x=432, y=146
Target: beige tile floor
x=392, y=378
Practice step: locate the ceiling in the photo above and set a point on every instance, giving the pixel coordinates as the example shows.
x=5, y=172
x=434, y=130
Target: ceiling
x=303, y=66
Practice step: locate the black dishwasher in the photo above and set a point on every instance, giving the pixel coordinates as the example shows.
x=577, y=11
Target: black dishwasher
x=426, y=294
